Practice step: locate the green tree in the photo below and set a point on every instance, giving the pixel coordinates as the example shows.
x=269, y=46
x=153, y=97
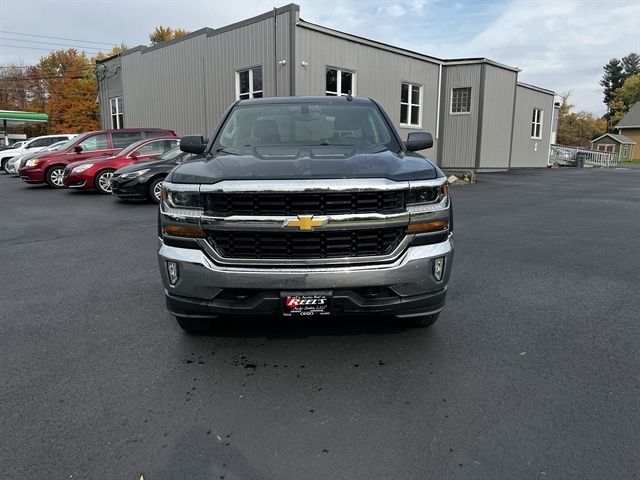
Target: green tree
x=612, y=79
x=163, y=34
x=631, y=64
x=624, y=98
x=577, y=129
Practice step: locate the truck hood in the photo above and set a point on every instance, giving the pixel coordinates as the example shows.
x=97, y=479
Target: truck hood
x=310, y=163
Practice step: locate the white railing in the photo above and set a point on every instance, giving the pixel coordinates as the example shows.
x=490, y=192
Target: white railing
x=563, y=155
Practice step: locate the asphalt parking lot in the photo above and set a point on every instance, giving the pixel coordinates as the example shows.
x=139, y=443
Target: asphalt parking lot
x=531, y=371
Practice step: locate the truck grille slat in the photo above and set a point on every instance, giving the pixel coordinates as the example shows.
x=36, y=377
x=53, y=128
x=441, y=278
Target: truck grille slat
x=226, y=204
x=292, y=245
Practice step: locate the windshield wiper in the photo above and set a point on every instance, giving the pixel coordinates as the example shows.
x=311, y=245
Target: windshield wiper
x=224, y=150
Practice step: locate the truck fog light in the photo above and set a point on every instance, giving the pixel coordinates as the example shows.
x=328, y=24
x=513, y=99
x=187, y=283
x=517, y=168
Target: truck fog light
x=172, y=270
x=438, y=268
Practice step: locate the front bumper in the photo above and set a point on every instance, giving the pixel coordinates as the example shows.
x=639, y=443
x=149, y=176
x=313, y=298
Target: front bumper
x=31, y=175
x=128, y=187
x=80, y=181
x=406, y=287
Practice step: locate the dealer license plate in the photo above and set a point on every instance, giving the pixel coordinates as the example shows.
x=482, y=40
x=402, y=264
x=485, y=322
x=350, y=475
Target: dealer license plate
x=306, y=304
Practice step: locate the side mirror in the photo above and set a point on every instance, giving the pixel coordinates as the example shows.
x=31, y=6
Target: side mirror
x=193, y=144
x=134, y=154
x=77, y=149
x=418, y=141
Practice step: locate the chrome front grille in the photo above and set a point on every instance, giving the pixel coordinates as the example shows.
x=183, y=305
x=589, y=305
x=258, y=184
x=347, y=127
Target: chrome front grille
x=323, y=203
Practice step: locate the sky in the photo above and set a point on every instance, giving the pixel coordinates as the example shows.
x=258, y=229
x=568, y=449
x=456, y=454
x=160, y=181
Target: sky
x=560, y=45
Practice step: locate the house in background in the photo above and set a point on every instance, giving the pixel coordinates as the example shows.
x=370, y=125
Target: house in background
x=618, y=144
x=629, y=126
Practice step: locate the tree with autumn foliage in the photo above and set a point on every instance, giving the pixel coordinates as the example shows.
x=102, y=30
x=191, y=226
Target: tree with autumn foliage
x=578, y=129
x=67, y=78
x=163, y=34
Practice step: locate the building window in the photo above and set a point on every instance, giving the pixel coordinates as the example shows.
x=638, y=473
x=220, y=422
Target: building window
x=625, y=150
x=410, y=104
x=249, y=83
x=536, y=124
x=340, y=82
x=117, y=113
x=461, y=100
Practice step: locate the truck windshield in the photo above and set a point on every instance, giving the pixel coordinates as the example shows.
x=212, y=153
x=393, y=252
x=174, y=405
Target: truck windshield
x=354, y=127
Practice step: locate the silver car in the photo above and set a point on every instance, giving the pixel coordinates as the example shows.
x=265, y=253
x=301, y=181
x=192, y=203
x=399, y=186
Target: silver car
x=11, y=166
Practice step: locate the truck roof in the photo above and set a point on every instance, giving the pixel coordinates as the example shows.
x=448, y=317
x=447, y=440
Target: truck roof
x=317, y=99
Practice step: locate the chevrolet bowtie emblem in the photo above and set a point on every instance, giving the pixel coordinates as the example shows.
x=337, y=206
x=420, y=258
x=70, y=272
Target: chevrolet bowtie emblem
x=306, y=222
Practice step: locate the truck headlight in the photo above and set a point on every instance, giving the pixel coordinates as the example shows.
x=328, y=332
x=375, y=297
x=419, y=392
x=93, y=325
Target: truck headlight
x=81, y=168
x=427, y=194
x=181, y=200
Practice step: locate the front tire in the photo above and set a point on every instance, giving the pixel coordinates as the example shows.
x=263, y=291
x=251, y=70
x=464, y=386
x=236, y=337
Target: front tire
x=3, y=164
x=194, y=326
x=155, y=189
x=422, y=321
x=103, y=182
x=54, y=175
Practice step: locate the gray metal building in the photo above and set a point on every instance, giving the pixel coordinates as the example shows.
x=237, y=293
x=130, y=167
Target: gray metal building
x=481, y=117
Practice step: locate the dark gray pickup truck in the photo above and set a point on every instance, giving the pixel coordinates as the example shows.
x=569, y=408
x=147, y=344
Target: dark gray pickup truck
x=305, y=206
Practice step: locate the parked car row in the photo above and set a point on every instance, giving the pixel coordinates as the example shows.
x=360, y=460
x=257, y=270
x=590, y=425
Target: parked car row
x=130, y=163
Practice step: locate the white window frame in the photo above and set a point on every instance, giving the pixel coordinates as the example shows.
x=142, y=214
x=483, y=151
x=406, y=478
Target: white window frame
x=339, y=71
x=451, y=112
x=251, y=92
x=410, y=104
x=119, y=124
x=536, y=123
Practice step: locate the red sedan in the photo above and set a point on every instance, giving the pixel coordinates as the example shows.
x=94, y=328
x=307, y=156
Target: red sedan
x=96, y=173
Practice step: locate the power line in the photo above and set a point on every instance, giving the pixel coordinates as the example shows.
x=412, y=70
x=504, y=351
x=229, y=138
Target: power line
x=55, y=38
x=48, y=43
x=42, y=48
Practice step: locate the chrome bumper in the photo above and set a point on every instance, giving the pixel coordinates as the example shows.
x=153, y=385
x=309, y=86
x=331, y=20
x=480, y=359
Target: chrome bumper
x=201, y=280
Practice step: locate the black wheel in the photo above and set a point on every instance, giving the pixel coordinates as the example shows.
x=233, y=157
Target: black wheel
x=53, y=176
x=421, y=321
x=195, y=325
x=155, y=190
x=103, y=182
x=3, y=164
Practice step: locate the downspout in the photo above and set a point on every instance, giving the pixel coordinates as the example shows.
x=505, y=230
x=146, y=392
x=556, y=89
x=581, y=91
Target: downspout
x=275, y=52
x=438, y=104
x=204, y=95
x=553, y=117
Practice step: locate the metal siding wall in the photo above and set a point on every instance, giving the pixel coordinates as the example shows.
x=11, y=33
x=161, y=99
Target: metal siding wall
x=497, y=117
x=110, y=87
x=187, y=86
x=527, y=152
x=460, y=131
x=244, y=47
x=164, y=87
x=378, y=75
